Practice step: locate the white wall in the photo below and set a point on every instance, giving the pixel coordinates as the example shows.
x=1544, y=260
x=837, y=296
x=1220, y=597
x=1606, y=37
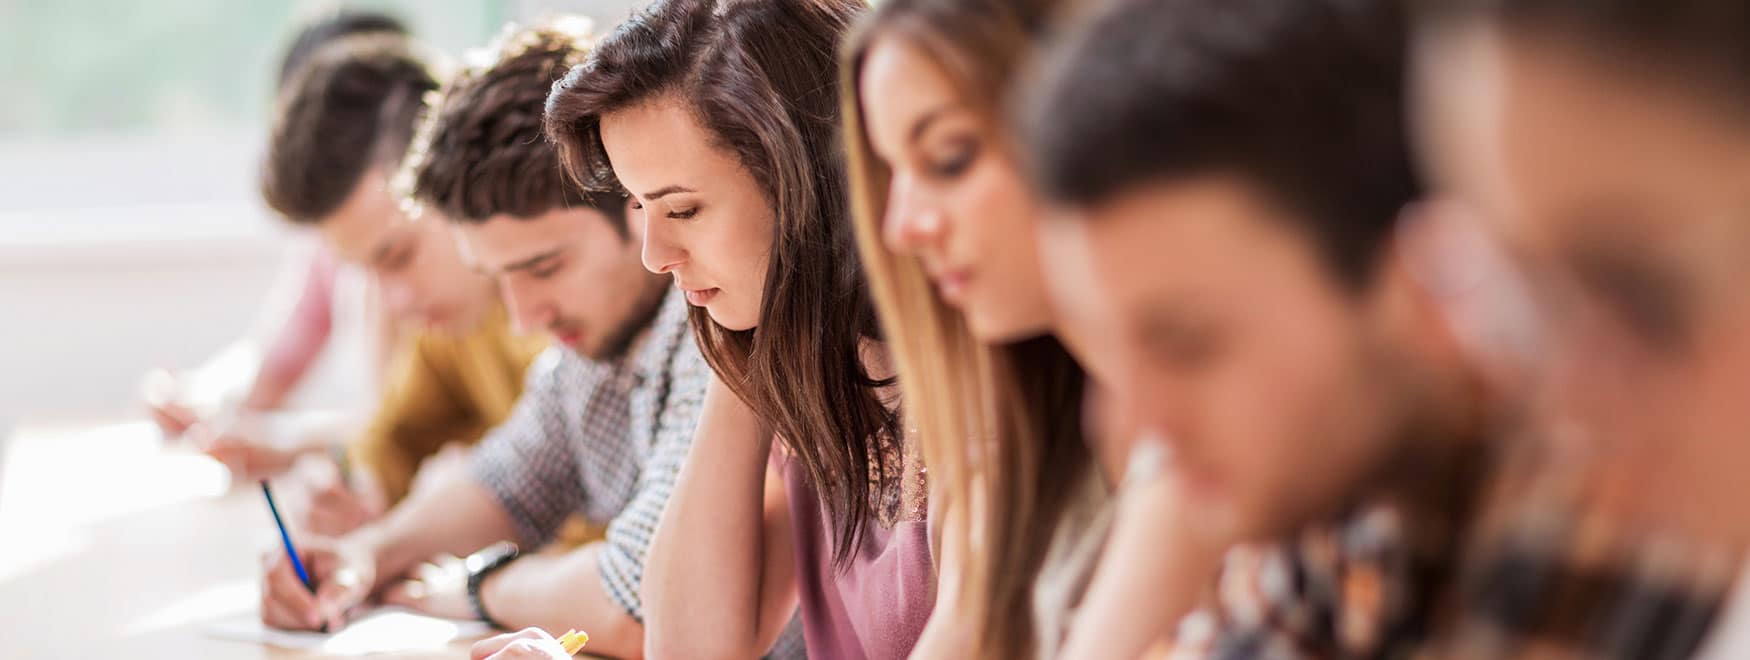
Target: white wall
x=82, y=320
x=161, y=264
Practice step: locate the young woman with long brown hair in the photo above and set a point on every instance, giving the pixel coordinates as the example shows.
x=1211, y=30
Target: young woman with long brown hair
x=720, y=119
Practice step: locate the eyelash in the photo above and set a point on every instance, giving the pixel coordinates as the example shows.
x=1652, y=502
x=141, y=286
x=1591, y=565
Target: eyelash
x=964, y=153
x=545, y=271
x=672, y=215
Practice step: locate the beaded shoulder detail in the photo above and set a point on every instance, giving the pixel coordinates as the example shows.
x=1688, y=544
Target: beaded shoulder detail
x=898, y=495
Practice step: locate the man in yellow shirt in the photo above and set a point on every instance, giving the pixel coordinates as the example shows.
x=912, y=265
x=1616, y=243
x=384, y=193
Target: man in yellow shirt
x=442, y=390
x=341, y=126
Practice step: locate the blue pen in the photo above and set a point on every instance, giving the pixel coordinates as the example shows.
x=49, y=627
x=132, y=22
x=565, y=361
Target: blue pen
x=297, y=564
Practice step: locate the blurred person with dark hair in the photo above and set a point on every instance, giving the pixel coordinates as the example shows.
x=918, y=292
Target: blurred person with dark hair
x=303, y=330
x=1237, y=222
x=607, y=417
x=342, y=126
x=1598, y=152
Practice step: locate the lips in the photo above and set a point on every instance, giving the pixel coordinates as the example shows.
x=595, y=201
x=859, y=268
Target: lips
x=701, y=297
x=952, y=283
x=567, y=335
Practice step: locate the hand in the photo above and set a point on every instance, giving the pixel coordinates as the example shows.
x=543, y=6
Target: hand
x=526, y=644
x=440, y=589
x=335, y=508
x=172, y=419
x=342, y=572
x=162, y=392
x=244, y=450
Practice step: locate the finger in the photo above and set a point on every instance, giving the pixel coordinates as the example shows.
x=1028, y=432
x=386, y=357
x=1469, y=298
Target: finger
x=276, y=615
x=492, y=645
x=410, y=594
x=283, y=587
x=531, y=649
x=337, y=595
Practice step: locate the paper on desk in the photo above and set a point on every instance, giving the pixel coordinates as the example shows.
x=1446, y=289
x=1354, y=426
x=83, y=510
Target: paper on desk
x=381, y=631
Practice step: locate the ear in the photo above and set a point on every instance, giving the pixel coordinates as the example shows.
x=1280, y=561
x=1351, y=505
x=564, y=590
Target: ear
x=1418, y=286
x=634, y=221
x=1464, y=295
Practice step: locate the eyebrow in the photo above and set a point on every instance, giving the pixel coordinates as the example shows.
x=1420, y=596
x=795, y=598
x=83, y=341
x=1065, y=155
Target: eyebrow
x=665, y=191
x=532, y=261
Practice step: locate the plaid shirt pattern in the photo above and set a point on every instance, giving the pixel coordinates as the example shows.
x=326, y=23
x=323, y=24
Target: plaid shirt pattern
x=603, y=439
x=1521, y=573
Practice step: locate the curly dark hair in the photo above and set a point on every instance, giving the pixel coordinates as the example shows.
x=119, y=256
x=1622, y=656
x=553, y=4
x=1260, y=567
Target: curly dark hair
x=480, y=151
x=351, y=107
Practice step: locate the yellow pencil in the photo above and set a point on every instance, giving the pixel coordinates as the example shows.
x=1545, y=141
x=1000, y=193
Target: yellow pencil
x=573, y=641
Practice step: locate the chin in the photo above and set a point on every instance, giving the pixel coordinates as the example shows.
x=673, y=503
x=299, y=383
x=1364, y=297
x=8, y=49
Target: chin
x=731, y=321
x=996, y=329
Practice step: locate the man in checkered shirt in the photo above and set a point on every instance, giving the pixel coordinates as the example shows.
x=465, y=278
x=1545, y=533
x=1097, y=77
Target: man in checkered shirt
x=604, y=422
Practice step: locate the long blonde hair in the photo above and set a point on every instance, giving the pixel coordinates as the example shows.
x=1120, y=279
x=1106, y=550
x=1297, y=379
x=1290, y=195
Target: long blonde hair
x=999, y=426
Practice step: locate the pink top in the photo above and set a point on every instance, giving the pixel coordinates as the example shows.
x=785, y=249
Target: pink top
x=876, y=606
x=299, y=341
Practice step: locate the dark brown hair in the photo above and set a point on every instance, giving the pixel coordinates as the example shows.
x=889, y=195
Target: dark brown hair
x=330, y=27
x=1707, y=39
x=480, y=151
x=759, y=76
x=352, y=107
x=1303, y=100
x=1000, y=426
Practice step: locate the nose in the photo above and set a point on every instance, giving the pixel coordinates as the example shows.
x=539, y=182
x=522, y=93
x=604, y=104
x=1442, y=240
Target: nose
x=661, y=253
x=523, y=300
x=911, y=223
x=1145, y=408
x=398, y=296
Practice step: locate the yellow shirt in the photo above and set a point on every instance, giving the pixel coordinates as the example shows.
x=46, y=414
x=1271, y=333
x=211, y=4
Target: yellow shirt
x=443, y=388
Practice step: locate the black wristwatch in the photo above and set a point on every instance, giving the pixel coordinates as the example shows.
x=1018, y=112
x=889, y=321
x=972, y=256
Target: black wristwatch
x=482, y=564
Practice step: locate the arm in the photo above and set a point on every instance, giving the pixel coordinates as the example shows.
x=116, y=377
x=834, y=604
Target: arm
x=522, y=477
x=733, y=601
x=558, y=592
x=457, y=517
x=597, y=587
x=1153, y=571
x=299, y=340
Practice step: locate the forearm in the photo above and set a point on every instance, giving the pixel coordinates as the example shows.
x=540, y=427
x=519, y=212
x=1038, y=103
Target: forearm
x=457, y=517
x=708, y=604
x=560, y=591
x=1152, y=572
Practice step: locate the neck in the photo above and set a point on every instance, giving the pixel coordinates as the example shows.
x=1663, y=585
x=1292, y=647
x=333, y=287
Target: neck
x=1445, y=445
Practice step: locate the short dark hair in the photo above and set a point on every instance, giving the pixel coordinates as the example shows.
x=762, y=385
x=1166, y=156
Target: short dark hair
x=481, y=152
x=331, y=26
x=761, y=77
x=352, y=107
x=1706, y=37
x=1301, y=99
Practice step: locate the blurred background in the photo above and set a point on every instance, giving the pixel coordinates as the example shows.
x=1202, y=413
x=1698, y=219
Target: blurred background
x=131, y=234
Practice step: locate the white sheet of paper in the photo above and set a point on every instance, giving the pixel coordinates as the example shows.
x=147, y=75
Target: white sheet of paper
x=381, y=631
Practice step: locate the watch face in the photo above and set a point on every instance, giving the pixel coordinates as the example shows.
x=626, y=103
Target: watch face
x=484, y=560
